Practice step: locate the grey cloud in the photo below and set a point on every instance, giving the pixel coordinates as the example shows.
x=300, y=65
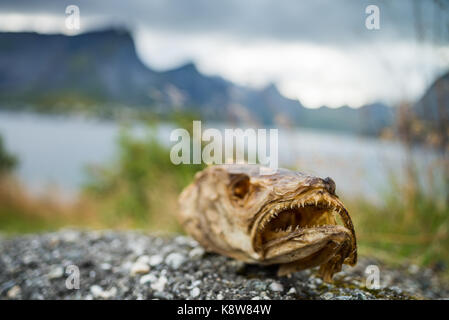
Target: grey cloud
x=324, y=21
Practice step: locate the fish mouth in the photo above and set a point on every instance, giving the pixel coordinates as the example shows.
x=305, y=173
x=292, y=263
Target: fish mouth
x=286, y=220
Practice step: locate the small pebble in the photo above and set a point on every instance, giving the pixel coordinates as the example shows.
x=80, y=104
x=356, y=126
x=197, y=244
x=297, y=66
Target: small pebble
x=195, y=292
x=291, y=291
x=155, y=260
x=139, y=268
x=264, y=295
x=98, y=292
x=148, y=278
x=56, y=272
x=343, y=298
x=359, y=295
x=106, y=266
x=196, y=253
x=327, y=296
x=175, y=260
x=413, y=269
x=159, y=284
x=143, y=259
x=276, y=286
x=14, y=292
x=260, y=286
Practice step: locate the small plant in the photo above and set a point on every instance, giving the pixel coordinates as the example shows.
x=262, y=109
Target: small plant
x=141, y=187
x=7, y=161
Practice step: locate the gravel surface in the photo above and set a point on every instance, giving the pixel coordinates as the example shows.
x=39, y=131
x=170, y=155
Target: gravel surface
x=133, y=265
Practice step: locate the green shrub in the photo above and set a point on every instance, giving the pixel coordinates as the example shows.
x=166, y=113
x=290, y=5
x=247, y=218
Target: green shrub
x=141, y=187
x=7, y=161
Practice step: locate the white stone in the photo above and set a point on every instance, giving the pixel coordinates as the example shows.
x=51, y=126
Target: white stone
x=69, y=236
x=276, y=286
x=106, y=266
x=139, y=268
x=111, y=293
x=175, y=260
x=56, y=272
x=195, y=283
x=181, y=240
x=155, y=260
x=413, y=269
x=195, y=292
x=148, y=278
x=98, y=292
x=196, y=253
x=291, y=291
x=327, y=296
x=159, y=285
x=143, y=259
x=13, y=292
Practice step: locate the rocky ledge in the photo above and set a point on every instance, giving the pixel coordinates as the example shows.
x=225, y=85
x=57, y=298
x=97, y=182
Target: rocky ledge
x=133, y=265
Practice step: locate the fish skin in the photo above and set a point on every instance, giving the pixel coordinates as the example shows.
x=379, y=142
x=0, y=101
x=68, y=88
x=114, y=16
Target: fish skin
x=229, y=208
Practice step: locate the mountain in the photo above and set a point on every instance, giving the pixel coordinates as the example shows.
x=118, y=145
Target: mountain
x=103, y=68
x=369, y=119
x=99, y=65
x=432, y=113
x=433, y=107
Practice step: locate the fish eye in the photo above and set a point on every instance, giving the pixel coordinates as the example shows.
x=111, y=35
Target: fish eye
x=241, y=187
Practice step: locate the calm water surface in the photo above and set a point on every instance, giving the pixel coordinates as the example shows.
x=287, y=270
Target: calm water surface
x=55, y=150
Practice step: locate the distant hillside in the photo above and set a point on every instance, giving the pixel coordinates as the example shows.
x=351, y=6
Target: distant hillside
x=370, y=119
x=102, y=68
x=99, y=65
x=433, y=107
x=432, y=113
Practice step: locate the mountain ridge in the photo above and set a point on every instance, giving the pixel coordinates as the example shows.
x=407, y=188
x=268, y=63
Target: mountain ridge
x=102, y=67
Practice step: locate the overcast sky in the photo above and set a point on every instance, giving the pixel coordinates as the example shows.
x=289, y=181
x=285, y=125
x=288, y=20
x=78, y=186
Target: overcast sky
x=319, y=52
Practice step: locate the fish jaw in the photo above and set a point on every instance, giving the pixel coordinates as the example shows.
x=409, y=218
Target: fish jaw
x=302, y=232
x=325, y=246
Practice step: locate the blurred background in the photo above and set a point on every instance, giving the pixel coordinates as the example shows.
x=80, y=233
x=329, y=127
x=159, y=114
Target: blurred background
x=87, y=106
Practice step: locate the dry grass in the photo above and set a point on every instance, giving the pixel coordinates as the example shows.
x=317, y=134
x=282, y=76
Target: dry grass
x=21, y=211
